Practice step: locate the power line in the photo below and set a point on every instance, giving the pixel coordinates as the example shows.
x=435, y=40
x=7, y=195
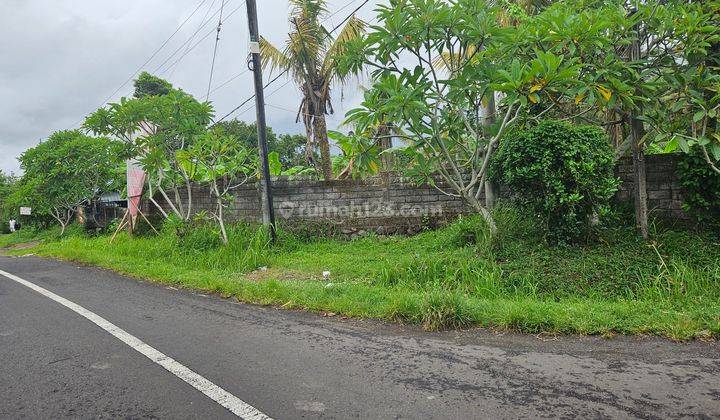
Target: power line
x=284, y=109
x=199, y=41
x=217, y=39
x=225, y=83
x=154, y=53
x=205, y=17
x=186, y=42
x=271, y=93
x=286, y=70
x=248, y=99
x=202, y=23
x=349, y=16
x=339, y=10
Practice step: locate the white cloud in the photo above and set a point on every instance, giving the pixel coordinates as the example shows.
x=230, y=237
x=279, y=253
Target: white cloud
x=61, y=59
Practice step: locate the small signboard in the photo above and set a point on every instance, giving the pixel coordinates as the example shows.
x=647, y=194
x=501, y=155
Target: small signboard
x=25, y=211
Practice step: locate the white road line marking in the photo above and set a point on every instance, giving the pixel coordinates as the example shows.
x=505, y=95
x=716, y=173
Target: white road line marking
x=217, y=394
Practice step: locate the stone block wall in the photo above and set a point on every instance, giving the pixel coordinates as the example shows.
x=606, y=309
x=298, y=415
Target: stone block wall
x=387, y=204
x=392, y=204
x=663, y=187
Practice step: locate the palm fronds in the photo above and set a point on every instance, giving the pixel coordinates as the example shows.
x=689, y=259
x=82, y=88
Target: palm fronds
x=273, y=58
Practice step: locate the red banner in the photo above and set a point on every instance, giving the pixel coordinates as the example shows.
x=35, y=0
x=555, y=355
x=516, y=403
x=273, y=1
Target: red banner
x=135, y=183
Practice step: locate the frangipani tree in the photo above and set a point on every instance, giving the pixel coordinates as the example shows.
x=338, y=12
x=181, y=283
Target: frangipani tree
x=224, y=163
x=437, y=114
x=64, y=171
x=310, y=56
x=680, y=53
x=160, y=129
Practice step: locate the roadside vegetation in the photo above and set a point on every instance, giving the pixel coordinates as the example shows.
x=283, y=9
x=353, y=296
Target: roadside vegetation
x=456, y=277
x=466, y=96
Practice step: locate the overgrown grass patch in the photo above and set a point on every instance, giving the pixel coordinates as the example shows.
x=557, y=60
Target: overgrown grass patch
x=455, y=277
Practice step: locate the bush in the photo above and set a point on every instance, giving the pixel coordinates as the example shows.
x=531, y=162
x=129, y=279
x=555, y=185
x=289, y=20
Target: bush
x=468, y=231
x=701, y=188
x=561, y=172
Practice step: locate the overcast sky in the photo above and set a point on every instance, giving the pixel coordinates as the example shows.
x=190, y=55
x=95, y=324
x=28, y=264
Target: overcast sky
x=62, y=59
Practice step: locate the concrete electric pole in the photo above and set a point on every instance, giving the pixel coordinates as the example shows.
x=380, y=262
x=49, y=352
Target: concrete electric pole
x=266, y=186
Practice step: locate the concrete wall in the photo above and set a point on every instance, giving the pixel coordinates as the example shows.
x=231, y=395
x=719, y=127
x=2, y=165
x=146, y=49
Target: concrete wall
x=384, y=204
x=663, y=187
x=392, y=204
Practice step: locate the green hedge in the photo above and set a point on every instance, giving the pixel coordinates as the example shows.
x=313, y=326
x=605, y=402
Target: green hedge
x=562, y=172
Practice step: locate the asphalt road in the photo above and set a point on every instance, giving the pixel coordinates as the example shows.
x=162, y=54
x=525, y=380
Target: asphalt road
x=56, y=364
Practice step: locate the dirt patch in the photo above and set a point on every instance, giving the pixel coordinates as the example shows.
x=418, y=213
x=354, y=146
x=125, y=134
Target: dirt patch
x=20, y=247
x=265, y=274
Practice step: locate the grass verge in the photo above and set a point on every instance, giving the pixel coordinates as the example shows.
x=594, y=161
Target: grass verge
x=455, y=277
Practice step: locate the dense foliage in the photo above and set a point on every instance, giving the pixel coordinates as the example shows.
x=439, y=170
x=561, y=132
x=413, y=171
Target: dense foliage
x=7, y=186
x=290, y=148
x=454, y=78
x=701, y=189
x=562, y=172
x=64, y=171
x=148, y=85
x=679, y=75
x=160, y=129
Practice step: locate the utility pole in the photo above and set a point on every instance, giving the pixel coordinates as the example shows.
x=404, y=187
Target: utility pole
x=256, y=67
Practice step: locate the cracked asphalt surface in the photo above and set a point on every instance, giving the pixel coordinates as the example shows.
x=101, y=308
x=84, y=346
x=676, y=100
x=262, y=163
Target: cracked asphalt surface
x=289, y=364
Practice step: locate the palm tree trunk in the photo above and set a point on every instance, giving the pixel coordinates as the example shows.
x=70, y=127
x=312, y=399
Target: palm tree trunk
x=384, y=132
x=321, y=139
x=310, y=144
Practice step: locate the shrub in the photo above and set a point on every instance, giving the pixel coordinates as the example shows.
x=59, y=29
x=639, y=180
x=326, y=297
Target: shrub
x=469, y=231
x=444, y=310
x=561, y=172
x=701, y=190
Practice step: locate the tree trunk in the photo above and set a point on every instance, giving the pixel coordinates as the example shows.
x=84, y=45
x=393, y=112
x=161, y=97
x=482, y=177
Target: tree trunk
x=639, y=178
x=385, y=135
x=491, y=187
x=484, y=212
x=219, y=216
x=638, y=156
x=188, y=187
x=58, y=215
x=321, y=139
x=310, y=144
x=221, y=222
x=712, y=122
x=491, y=193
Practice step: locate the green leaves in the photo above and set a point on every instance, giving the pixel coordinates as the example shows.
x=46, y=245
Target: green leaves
x=698, y=116
x=215, y=155
x=68, y=168
x=160, y=127
x=564, y=173
x=274, y=163
x=361, y=152
x=701, y=186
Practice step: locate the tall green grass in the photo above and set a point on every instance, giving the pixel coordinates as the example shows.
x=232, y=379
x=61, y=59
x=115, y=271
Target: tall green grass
x=454, y=277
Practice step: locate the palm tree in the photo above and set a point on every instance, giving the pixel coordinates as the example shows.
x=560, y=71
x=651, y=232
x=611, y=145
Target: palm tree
x=309, y=56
